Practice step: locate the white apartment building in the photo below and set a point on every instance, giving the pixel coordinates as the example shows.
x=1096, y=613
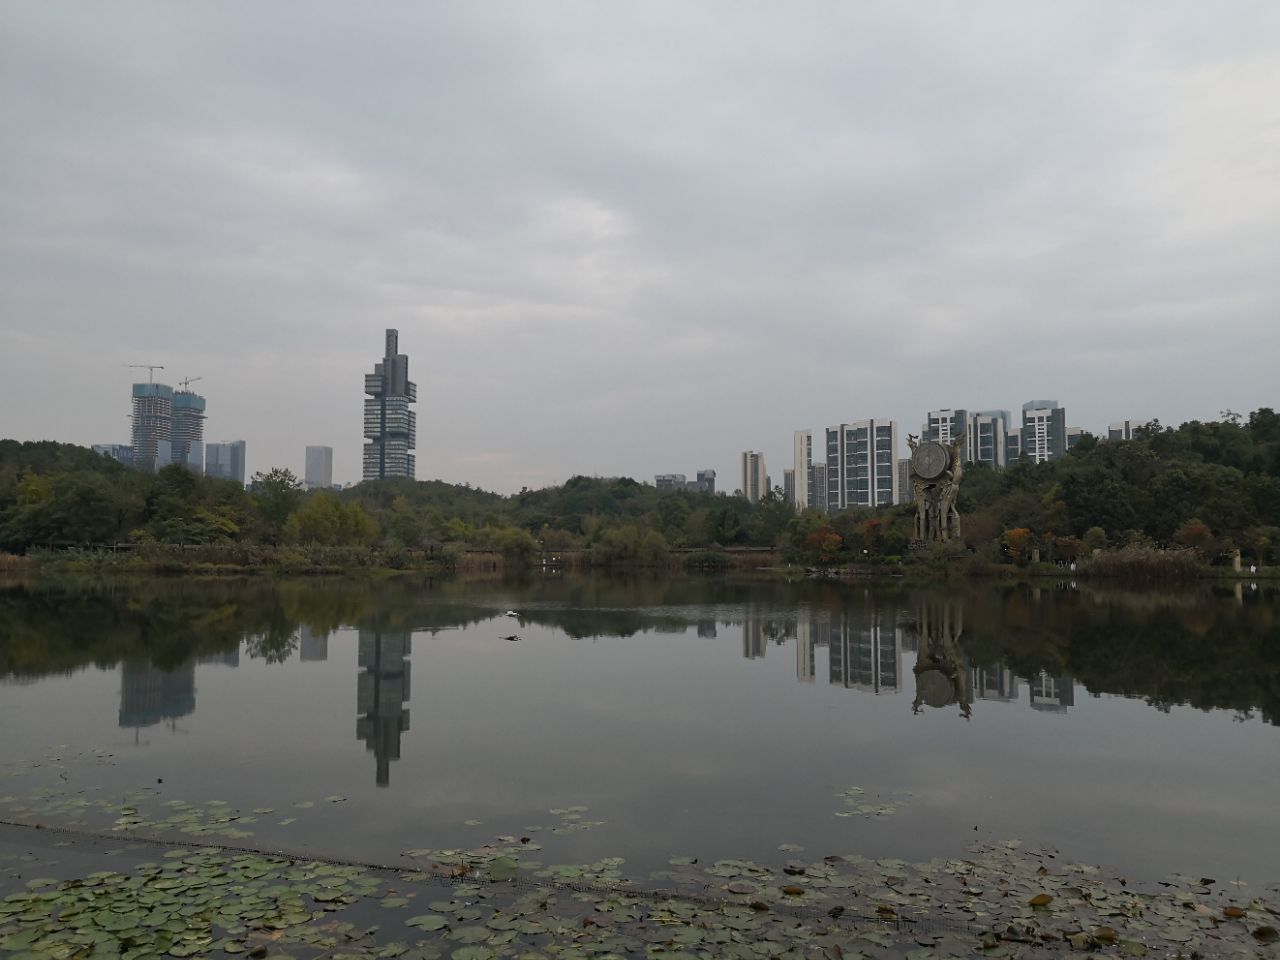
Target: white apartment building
x=755, y=479
x=319, y=472
x=862, y=464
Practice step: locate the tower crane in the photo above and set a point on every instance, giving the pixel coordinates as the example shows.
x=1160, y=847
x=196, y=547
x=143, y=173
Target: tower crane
x=151, y=369
x=190, y=380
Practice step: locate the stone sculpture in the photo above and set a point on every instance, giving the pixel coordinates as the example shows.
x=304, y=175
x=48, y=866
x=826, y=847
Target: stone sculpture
x=936, y=469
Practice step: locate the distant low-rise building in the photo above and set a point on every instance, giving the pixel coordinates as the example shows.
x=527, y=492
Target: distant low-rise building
x=225, y=460
x=670, y=481
x=1124, y=429
x=706, y=481
x=116, y=451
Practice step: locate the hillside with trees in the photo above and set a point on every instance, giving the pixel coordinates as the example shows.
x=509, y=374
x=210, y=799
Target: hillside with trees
x=1212, y=487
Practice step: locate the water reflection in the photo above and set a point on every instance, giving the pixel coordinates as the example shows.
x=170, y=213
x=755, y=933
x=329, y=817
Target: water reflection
x=382, y=690
x=960, y=645
x=150, y=695
x=940, y=665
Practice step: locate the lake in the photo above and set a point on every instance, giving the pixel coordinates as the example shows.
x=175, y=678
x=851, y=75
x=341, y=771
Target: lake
x=652, y=719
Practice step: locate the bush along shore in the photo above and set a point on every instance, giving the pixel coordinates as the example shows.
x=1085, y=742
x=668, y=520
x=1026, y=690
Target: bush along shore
x=1167, y=505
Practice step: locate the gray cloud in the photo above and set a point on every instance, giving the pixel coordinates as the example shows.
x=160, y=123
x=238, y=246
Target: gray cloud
x=634, y=240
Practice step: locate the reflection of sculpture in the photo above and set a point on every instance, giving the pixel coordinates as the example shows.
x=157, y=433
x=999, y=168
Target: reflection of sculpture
x=939, y=663
x=936, y=469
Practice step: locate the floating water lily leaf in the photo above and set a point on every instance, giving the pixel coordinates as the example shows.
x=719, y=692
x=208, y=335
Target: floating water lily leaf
x=428, y=921
x=478, y=953
x=335, y=798
x=503, y=869
x=471, y=934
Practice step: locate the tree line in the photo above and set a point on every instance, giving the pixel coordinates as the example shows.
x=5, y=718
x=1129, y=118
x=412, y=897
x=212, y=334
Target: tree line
x=1213, y=487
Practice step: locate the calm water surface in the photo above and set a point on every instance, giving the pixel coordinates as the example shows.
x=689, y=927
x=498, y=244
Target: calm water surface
x=702, y=718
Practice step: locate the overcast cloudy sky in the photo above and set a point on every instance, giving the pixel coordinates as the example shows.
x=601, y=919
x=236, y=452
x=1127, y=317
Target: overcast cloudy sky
x=635, y=238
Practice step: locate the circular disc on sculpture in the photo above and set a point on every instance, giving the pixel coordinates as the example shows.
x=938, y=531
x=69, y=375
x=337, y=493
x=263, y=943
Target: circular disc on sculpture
x=930, y=460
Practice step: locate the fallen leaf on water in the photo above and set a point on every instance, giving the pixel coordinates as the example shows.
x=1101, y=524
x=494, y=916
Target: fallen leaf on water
x=1266, y=935
x=792, y=891
x=1040, y=900
x=1232, y=913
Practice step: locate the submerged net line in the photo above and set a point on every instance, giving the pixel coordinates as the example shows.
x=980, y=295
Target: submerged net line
x=700, y=895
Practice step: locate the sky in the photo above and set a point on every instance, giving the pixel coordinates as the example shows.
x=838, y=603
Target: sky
x=629, y=239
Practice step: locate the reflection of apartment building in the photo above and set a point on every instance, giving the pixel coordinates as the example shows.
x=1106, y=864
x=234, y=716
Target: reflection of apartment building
x=149, y=695
x=382, y=692
x=866, y=652
x=313, y=647
x=804, y=649
x=753, y=639
x=1052, y=694
x=994, y=682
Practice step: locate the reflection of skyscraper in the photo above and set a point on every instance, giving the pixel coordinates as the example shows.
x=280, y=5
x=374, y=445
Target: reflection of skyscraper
x=149, y=695
x=1053, y=694
x=994, y=682
x=804, y=648
x=381, y=694
x=753, y=645
x=312, y=647
x=707, y=628
x=866, y=653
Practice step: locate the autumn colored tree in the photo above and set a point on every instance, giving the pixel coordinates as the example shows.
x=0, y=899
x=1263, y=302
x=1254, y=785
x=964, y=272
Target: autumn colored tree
x=823, y=544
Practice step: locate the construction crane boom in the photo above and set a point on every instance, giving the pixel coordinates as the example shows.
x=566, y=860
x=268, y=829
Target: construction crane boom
x=151, y=369
x=190, y=380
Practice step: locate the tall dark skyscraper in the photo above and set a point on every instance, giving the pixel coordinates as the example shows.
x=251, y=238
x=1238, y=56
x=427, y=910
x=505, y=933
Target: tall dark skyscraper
x=390, y=427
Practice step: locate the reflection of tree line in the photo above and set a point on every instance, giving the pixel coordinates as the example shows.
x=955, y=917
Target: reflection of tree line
x=1213, y=652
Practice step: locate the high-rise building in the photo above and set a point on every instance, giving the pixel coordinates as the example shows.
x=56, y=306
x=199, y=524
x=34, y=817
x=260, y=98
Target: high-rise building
x=906, y=492
x=802, y=453
x=319, y=472
x=390, y=427
x=152, y=426
x=188, y=430
x=818, y=486
x=1013, y=445
x=706, y=481
x=862, y=464
x=225, y=460
x=755, y=480
x=988, y=438
x=946, y=426
x=1044, y=430
x=789, y=485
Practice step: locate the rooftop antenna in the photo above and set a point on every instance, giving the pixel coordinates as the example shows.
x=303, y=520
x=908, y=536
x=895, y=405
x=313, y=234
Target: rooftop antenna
x=151, y=369
x=189, y=381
